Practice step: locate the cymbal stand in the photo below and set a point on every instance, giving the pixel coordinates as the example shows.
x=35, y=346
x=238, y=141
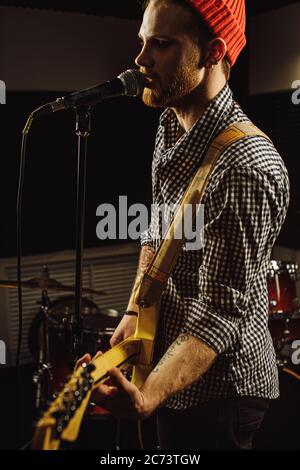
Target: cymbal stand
x=42, y=376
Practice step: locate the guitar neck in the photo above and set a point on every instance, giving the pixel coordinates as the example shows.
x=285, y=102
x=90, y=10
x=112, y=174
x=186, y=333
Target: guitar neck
x=62, y=420
x=122, y=353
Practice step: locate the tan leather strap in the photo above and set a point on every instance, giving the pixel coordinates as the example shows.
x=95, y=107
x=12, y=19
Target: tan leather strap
x=159, y=270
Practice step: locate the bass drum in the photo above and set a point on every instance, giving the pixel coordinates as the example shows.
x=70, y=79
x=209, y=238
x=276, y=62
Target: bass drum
x=98, y=327
x=284, y=318
x=282, y=277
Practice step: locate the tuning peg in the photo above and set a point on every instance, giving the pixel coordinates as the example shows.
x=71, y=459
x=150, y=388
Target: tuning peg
x=62, y=423
x=59, y=429
x=90, y=367
x=67, y=417
x=86, y=387
x=85, y=374
x=71, y=409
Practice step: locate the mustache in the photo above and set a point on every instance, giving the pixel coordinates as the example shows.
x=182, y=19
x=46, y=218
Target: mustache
x=148, y=75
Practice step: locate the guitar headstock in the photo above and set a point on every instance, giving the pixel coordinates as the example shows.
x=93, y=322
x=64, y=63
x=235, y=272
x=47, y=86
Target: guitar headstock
x=63, y=418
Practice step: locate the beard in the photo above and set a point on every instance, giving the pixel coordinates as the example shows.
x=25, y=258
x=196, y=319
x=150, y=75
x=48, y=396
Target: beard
x=183, y=82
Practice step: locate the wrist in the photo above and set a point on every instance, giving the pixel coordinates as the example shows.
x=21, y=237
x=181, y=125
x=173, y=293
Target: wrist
x=148, y=405
x=145, y=407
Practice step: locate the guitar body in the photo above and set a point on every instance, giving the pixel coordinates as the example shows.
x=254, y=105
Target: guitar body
x=146, y=331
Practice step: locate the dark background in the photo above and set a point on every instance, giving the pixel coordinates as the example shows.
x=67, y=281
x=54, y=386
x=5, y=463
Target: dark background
x=119, y=163
x=120, y=150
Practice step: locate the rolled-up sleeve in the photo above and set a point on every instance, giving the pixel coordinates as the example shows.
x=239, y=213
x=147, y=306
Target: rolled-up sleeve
x=146, y=237
x=238, y=216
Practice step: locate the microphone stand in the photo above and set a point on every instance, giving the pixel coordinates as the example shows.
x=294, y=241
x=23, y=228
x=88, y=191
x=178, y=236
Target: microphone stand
x=83, y=131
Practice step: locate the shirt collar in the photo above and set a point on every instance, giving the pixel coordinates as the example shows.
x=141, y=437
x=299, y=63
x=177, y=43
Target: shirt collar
x=200, y=131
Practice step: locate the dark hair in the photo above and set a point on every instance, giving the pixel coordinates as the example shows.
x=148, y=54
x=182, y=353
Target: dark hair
x=199, y=29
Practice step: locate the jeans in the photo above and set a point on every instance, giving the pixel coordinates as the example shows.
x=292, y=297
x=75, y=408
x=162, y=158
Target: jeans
x=222, y=424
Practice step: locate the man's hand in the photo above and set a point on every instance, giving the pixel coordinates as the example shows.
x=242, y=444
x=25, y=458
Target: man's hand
x=125, y=329
x=119, y=396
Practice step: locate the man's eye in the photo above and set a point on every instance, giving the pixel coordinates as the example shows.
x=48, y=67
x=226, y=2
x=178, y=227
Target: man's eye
x=162, y=44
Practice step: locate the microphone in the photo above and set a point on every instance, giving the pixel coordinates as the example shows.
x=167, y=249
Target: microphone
x=129, y=83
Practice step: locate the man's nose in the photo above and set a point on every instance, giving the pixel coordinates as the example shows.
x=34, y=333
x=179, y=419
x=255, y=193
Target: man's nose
x=144, y=59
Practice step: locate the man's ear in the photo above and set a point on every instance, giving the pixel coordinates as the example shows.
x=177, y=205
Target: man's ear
x=215, y=52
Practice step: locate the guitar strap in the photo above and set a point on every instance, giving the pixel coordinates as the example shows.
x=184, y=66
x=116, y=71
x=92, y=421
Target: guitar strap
x=155, y=278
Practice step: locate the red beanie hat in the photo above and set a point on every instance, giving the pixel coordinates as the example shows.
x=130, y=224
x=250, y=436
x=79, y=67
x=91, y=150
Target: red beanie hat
x=225, y=19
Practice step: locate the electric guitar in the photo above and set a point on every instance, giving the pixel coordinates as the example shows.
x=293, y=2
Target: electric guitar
x=62, y=420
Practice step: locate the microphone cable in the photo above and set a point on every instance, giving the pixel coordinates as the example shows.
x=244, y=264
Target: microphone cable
x=19, y=272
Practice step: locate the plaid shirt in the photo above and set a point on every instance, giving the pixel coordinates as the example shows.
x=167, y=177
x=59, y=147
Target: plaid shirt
x=219, y=293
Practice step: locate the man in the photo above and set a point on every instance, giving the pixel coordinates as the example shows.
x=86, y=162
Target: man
x=217, y=370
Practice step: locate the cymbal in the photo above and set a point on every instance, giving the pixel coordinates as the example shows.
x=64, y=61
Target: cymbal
x=46, y=284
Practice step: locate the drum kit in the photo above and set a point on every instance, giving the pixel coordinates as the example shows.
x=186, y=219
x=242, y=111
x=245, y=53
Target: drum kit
x=50, y=333
x=284, y=309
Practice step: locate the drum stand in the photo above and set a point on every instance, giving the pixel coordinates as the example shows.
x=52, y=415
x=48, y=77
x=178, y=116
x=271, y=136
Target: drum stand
x=285, y=338
x=42, y=376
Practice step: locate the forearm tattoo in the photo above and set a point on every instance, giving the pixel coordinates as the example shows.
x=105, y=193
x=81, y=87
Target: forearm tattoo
x=144, y=261
x=146, y=256
x=178, y=342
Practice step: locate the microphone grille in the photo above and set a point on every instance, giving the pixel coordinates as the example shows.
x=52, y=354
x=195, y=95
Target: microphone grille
x=133, y=81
